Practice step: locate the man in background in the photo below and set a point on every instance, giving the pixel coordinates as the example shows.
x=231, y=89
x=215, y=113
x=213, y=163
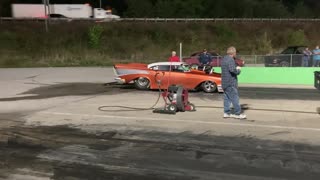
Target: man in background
x=306, y=57
x=174, y=57
x=205, y=58
x=316, y=56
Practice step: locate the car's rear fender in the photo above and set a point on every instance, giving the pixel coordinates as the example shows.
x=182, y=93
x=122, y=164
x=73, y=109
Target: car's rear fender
x=132, y=77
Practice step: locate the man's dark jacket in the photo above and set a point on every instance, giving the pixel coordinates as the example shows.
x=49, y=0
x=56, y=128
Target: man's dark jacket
x=205, y=58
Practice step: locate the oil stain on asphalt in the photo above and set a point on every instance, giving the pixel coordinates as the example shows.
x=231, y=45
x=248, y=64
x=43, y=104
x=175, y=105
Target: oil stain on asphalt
x=67, y=153
x=69, y=89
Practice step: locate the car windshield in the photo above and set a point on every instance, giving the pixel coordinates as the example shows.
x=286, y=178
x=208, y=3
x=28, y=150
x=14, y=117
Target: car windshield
x=183, y=67
x=161, y=67
x=300, y=50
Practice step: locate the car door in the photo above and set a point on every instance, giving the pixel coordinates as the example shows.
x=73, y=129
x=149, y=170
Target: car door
x=297, y=57
x=179, y=76
x=161, y=76
x=284, y=58
x=171, y=74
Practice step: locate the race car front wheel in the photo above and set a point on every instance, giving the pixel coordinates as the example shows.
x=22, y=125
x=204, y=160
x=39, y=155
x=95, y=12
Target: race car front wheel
x=142, y=83
x=209, y=86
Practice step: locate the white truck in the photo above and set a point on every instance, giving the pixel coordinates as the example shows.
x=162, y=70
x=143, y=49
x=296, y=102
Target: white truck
x=64, y=10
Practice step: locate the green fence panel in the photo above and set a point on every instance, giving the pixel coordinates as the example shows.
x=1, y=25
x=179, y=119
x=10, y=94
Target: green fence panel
x=276, y=75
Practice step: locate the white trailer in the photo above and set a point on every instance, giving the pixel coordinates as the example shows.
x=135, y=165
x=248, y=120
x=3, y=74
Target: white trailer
x=66, y=10
x=28, y=10
x=72, y=10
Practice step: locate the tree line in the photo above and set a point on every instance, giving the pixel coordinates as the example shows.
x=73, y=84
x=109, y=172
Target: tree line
x=196, y=8
x=221, y=9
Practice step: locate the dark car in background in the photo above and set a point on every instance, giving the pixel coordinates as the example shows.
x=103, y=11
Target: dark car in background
x=59, y=17
x=291, y=56
x=193, y=60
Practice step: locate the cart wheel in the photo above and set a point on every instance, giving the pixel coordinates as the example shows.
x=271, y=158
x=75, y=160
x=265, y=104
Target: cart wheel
x=192, y=107
x=172, y=107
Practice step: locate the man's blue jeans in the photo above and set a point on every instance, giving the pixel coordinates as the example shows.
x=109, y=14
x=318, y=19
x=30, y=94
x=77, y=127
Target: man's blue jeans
x=305, y=62
x=316, y=62
x=231, y=95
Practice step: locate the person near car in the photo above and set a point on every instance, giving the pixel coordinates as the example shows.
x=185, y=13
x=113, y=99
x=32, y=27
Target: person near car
x=229, y=82
x=316, y=56
x=205, y=58
x=306, y=57
x=174, y=57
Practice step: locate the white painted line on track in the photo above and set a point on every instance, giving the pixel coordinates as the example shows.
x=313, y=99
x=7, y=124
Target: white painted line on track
x=243, y=124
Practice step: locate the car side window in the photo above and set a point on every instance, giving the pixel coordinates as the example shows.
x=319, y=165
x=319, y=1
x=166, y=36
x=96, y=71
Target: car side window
x=214, y=54
x=164, y=68
x=288, y=51
x=195, y=54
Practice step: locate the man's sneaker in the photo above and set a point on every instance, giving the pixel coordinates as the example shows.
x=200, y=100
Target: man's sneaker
x=240, y=116
x=225, y=115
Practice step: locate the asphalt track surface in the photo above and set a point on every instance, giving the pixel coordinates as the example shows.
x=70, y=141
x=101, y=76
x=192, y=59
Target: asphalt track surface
x=118, y=152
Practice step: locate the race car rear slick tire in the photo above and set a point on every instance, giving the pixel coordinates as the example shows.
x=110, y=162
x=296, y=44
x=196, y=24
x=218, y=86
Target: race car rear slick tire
x=209, y=86
x=142, y=83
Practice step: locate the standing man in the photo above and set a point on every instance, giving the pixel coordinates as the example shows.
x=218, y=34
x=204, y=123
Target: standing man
x=205, y=58
x=316, y=57
x=174, y=57
x=306, y=57
x=229, y=81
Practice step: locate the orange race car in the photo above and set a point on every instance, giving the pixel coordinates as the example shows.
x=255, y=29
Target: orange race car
x=162, y=74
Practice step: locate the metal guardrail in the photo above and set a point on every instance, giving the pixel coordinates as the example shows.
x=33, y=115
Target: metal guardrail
x=43, y=19
x=220, y=19
x=176, y=19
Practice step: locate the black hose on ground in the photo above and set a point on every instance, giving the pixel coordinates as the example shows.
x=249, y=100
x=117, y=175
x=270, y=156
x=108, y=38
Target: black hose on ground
x=129, y=108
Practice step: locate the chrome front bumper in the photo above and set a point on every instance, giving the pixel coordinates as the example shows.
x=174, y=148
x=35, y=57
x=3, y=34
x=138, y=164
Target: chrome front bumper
x=120, y=80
